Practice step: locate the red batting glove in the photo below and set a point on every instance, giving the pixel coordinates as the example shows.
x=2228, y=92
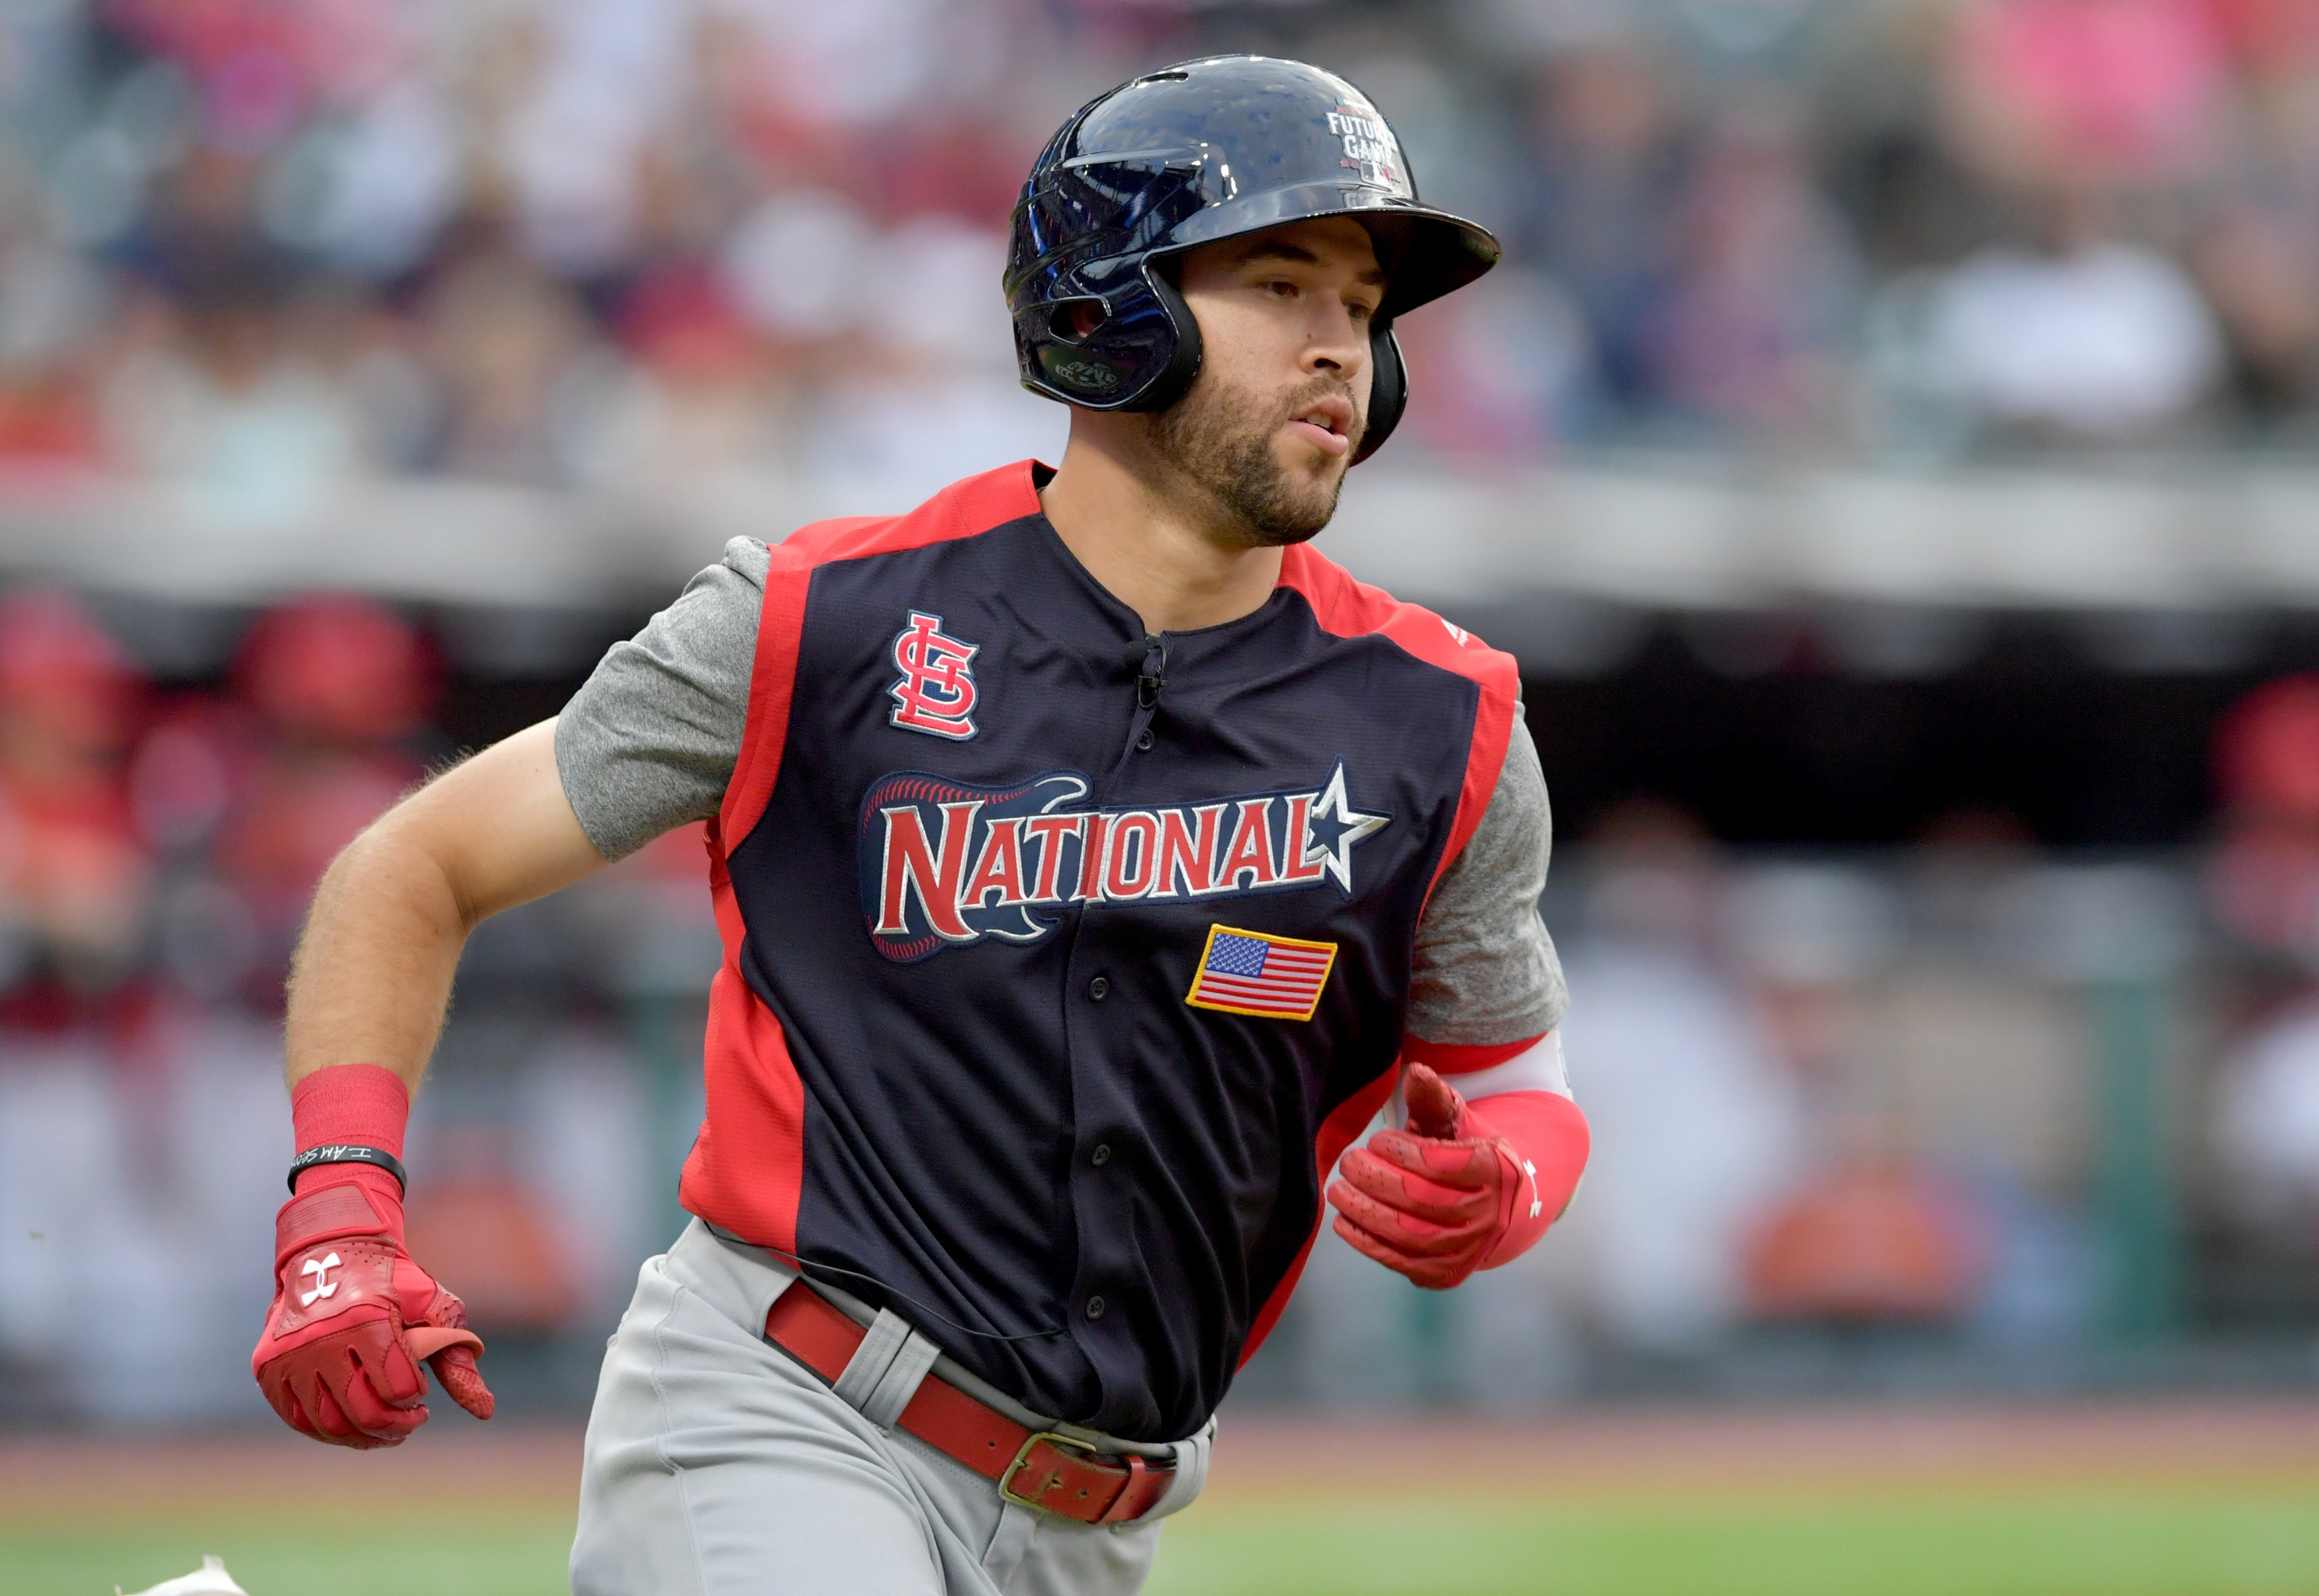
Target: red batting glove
x=354, y=1318
x=1432, y=1201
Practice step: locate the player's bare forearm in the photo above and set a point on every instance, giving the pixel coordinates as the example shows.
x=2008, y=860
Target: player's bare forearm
x=372, y=979
x=356, y=1318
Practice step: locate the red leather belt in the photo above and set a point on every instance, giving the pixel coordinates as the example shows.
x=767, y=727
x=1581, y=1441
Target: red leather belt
x=1037, y=1468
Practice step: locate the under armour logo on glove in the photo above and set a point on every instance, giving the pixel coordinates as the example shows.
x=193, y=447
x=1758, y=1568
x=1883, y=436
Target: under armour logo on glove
x=356, y=1322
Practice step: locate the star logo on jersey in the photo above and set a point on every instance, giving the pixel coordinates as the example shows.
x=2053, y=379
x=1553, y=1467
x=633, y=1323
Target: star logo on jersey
x=1332, y=825
x=935, y=692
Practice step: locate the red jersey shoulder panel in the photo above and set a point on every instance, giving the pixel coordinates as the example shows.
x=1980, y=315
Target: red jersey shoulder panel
x=1352, y=609
x=971, y=505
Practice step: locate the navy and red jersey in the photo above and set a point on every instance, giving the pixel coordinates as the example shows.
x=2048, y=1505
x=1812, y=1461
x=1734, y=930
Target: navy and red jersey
x=1061, y=963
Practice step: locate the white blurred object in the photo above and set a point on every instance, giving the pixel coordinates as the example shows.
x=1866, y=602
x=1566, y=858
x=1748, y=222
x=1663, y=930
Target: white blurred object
x=391, y=180
x=209, y=1578
x=869, y=62
x=936, y=297
x=2266, y=1114
x=2100, y=341
x=794, y=264
x=1810, y=924
x=49, y=299
x=1695, y=1130
x=916, y=433
x=610, y=74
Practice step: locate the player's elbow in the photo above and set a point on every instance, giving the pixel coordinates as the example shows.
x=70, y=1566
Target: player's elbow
x=490, y=832
x=401, y=867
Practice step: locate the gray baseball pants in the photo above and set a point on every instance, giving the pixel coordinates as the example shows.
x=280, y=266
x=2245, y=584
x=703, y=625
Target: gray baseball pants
x=717, y=1465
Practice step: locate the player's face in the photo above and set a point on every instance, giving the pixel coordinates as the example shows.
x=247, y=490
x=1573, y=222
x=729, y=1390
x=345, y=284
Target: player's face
x=1277, y=412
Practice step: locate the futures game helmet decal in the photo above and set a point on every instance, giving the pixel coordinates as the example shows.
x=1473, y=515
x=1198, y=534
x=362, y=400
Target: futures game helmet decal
x=1370, y=148
x=943, y=863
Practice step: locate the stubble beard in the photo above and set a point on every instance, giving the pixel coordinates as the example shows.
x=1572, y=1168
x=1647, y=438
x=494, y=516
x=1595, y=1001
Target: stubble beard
x=1222, y=440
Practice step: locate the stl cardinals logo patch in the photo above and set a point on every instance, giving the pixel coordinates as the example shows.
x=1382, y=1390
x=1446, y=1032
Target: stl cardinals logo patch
x=935, y=692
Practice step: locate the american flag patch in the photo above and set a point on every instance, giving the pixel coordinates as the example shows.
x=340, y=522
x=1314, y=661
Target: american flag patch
x=1251, y=972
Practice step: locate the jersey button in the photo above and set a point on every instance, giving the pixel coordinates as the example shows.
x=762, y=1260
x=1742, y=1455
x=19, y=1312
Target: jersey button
x=1099, y=988
x=1094, y=1308
x=1144, y=742
x=1101, y=1155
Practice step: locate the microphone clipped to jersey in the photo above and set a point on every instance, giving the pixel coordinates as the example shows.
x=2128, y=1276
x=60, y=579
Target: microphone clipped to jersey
x=1148, y=660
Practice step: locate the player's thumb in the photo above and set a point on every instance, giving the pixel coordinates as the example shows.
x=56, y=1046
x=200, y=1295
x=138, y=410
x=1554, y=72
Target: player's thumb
x=449, y=1347
x=1433, y=1104
x=456, y=1367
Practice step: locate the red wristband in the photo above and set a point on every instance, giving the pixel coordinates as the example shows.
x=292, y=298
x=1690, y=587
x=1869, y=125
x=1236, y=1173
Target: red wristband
x=361, y=1104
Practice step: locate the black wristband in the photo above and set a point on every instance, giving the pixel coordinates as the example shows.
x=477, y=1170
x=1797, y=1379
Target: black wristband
x=343, y=1152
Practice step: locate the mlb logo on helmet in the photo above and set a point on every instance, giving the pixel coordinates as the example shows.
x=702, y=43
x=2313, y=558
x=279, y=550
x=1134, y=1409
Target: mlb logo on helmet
x=1370, y=147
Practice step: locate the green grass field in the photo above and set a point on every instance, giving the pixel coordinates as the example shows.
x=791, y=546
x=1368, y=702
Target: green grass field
x=2052, y=1545
x=2199, y=1513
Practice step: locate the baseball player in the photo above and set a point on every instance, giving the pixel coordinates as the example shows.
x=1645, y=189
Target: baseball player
x=1094, y=862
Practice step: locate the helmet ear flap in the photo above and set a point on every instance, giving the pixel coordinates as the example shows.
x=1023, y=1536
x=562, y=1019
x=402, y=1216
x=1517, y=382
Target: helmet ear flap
x=1133, y=347
x=1388, y=389
x=1184, y=359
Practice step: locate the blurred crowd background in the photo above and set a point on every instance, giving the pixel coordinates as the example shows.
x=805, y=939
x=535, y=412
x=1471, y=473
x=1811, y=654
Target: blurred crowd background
x=1947, y=1023
x=263, y=244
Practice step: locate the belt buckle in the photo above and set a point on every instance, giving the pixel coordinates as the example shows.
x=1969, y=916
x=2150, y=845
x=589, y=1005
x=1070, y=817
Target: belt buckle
x=1022, y=1455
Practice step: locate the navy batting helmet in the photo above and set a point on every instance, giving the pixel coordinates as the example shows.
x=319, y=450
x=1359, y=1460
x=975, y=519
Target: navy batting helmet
x=1210, y=150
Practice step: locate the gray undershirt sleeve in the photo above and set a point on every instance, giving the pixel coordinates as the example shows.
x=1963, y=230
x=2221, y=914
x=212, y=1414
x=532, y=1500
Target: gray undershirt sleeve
x=1485, y=971
x=649, y=742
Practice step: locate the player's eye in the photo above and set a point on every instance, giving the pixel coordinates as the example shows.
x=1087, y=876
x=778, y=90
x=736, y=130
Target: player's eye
x=1279, y=288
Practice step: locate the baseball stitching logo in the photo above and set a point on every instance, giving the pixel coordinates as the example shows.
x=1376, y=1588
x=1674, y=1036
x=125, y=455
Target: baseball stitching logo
x=935, y=694
x=943, y=863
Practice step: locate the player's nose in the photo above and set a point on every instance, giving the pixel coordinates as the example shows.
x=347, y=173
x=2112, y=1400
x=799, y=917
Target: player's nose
x=1336, y=344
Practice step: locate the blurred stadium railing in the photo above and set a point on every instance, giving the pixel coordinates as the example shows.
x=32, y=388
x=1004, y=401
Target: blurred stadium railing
x=1665, y=532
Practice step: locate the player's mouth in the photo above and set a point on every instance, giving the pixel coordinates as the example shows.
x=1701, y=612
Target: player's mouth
x=1326, y=423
